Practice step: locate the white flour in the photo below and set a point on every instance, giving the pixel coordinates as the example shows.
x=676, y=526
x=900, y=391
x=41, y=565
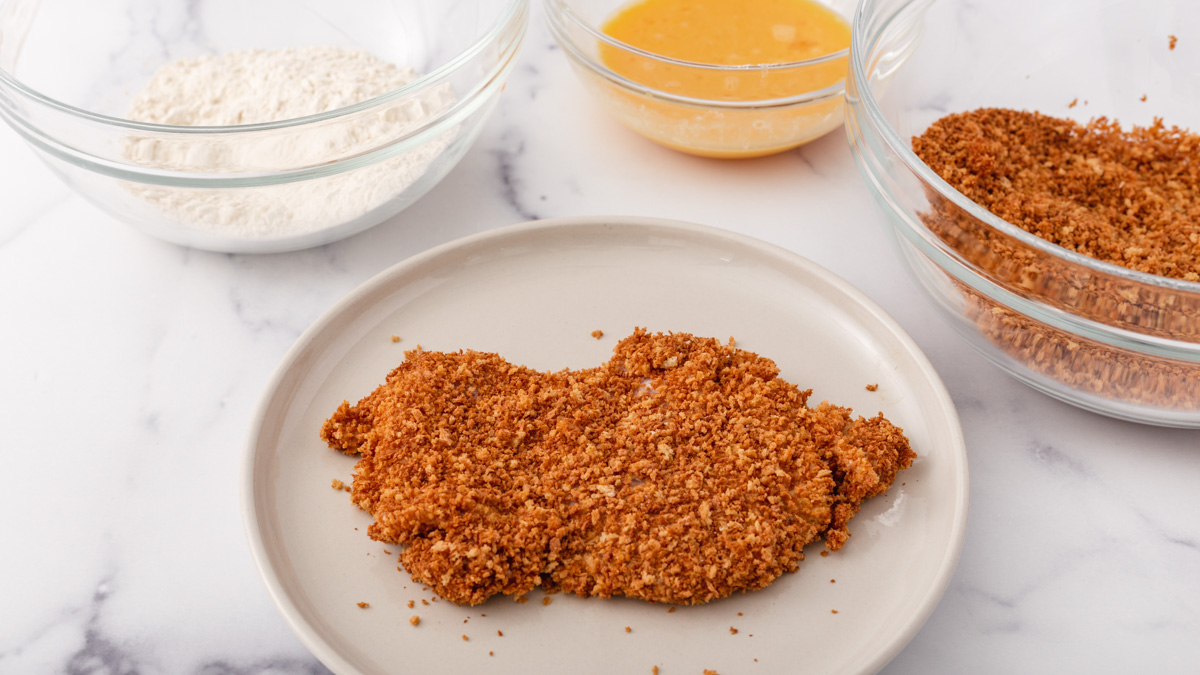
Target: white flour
x=256, y=86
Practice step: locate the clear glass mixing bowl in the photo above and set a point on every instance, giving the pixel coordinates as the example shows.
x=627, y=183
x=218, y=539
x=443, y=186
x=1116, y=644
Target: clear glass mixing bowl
x=1100, y=336
x=710, y=127
x=69, y=69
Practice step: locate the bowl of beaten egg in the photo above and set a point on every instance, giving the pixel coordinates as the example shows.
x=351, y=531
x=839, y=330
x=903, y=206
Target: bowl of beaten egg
x=718, y=78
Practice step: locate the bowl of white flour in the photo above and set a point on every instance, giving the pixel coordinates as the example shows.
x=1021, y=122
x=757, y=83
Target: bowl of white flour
x=254, y=126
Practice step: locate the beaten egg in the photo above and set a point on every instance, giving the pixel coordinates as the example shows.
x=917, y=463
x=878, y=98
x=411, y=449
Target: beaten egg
x=728, y=78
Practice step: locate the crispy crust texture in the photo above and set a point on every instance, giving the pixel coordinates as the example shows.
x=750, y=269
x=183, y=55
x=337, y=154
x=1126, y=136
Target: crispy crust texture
x=681, y=471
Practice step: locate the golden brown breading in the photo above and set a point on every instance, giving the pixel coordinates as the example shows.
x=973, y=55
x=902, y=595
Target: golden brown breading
x=680, y=471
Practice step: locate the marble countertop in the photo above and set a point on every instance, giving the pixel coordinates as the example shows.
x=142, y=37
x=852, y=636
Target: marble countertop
x=129, y=369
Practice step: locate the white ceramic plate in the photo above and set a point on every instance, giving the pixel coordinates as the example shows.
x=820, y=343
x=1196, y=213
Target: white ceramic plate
x=534, y=293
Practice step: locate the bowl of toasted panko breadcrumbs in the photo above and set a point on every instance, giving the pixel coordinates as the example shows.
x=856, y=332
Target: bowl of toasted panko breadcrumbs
x=1052, y=211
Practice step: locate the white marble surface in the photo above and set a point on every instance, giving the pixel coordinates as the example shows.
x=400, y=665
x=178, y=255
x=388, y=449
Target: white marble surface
x=129, y=369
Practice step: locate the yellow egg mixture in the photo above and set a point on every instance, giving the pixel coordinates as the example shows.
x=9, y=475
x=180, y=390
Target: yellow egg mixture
x=728, y=33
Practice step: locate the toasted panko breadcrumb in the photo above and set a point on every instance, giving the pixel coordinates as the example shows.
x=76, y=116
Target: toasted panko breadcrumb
x=680, y=471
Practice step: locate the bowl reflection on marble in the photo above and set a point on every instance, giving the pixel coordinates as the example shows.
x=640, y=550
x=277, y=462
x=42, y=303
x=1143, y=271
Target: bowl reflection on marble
x=1099, y=336
x=709, y=127
x=70, y=68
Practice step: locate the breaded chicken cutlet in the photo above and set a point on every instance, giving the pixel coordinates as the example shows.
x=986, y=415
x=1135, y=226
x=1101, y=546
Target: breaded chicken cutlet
x=680, y=471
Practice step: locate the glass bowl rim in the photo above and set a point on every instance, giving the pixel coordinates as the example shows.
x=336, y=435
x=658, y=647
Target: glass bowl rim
x=557, y=10
x=891, y=137
x=512, y=11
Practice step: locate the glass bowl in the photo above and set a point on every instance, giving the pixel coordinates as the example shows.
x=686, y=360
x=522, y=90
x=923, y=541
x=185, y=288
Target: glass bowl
x=777, y=118
x=1099, y=336
x=70, y=68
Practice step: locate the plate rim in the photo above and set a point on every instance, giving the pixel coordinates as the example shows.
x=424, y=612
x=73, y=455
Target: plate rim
x=331, y=658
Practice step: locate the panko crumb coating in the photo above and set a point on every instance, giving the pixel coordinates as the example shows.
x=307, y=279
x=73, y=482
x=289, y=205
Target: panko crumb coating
x=680, y=471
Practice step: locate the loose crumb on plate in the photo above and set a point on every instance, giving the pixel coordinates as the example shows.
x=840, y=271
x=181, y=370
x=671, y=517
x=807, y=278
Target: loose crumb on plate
x=410, y=604
x=364, y=605
x=597, y=334
x=824, y=554
x=395, y=338
x=1074, y=102
x=872, y=387
x=732, y=630
x=415, y=620
x=1143, y=98
x=628, y=629
x=547, y=600
x=465, y=638
x=500, y=633
x=1171, y=40
x=833, y=611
